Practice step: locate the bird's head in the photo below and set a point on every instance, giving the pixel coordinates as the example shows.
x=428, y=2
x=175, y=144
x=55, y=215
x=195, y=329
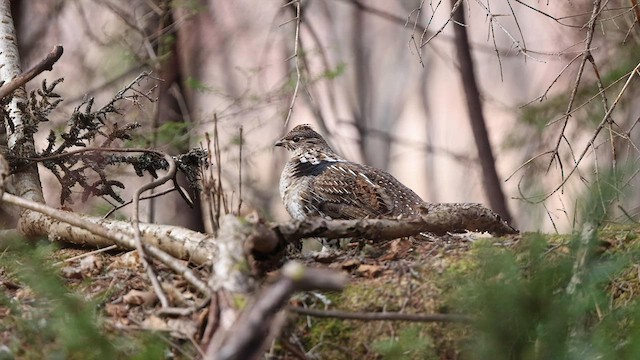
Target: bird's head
x=303, y=137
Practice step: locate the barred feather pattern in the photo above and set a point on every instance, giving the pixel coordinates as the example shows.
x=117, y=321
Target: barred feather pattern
x=318, y=182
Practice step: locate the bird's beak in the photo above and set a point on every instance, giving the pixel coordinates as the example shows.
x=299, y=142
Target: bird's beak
x=280, y=142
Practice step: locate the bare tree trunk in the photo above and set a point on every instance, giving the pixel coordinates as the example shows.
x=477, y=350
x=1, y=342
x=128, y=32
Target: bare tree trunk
x=25, y=182
x=474, y=105
x=171, y=107
x=196, y=38
x=361, y=112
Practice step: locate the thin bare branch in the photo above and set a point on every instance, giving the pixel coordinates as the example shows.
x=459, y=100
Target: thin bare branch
x=454, y=8
x=380, y=316
x=171, y=173
x=585, y=55
x=25, y=77
x=241, y=144
x=295, y=56
x=600, y=126
x=555, y=80
x=152, y=196
x=526, y=163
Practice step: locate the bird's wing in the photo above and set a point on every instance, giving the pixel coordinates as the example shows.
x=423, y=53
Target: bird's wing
x=346, y=191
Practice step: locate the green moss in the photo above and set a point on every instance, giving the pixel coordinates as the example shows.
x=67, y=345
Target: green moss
x=412, y=342
x=413, y=291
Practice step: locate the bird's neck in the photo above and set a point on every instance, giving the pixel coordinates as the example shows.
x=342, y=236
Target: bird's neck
x=317, y=155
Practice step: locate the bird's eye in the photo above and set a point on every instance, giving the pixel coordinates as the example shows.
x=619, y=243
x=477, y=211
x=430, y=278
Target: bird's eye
x=296, y=138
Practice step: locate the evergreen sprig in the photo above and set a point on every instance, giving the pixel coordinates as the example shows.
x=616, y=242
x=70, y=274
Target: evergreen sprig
x=95, y=130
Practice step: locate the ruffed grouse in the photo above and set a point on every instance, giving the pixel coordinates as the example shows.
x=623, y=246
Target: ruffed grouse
x=318, y=182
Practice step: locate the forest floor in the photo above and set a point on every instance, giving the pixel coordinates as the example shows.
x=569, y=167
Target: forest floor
x=72, y=303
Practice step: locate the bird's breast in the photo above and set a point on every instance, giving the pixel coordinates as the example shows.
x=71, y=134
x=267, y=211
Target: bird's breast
x=292, y=193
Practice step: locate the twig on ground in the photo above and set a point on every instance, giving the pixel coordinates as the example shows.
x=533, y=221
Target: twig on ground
x=252, y=331
x=74, y=258
x=241, y=140
x=380, y=316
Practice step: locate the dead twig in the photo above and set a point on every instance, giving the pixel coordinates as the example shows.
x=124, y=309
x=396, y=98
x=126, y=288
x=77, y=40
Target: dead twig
x=45, y=64
x=381, y=316
x=252, y=331
x=152, y=196
x=78, y=257
x=171, y=173
x=586, y=54
x=603, y=122
x=241, y=140
x=296, y=57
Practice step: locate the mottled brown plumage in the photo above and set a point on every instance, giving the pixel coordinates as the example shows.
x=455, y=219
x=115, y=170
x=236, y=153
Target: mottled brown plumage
x=318, y=182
